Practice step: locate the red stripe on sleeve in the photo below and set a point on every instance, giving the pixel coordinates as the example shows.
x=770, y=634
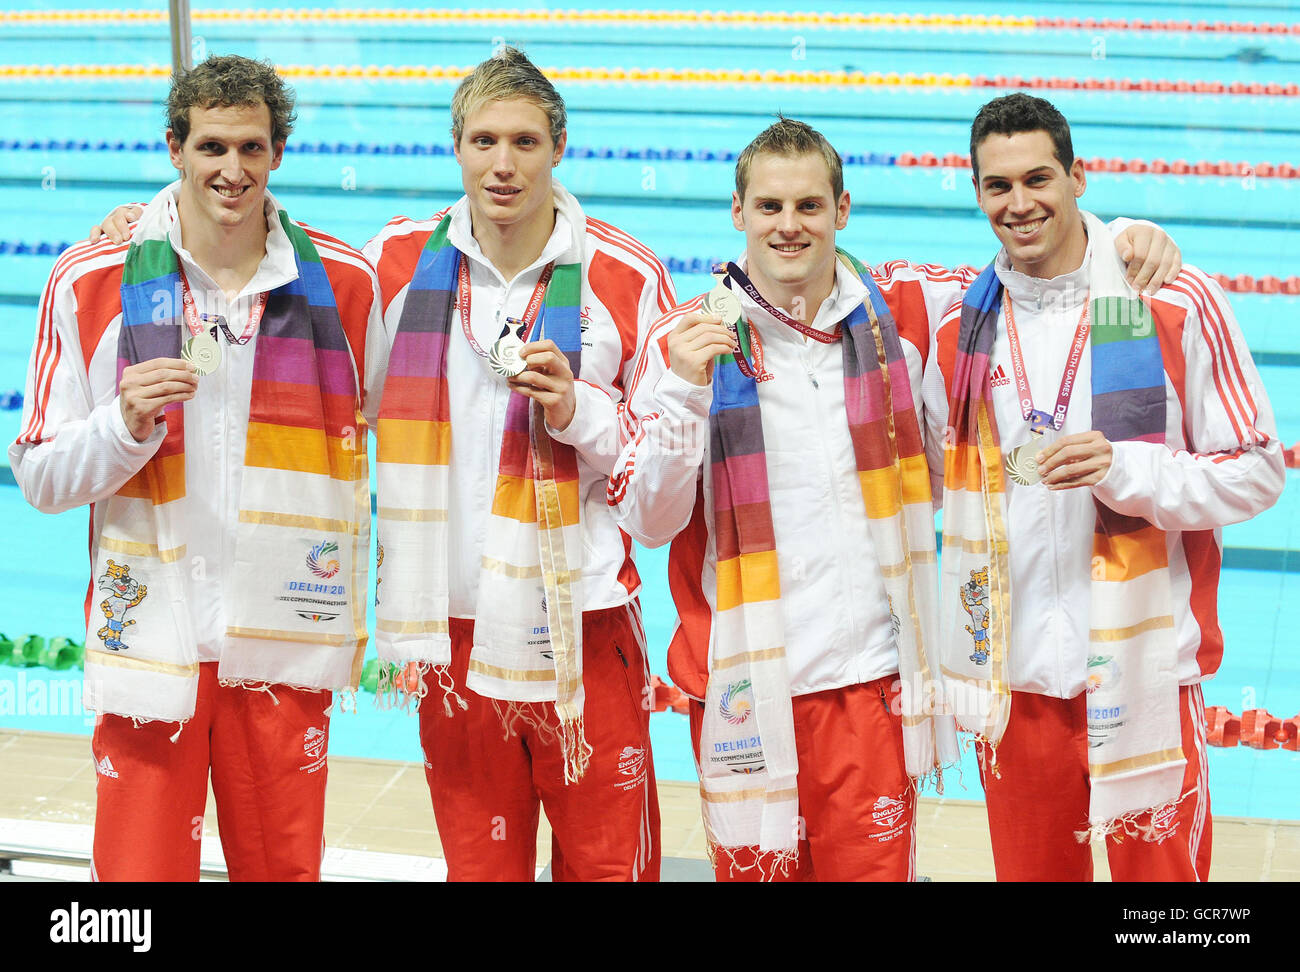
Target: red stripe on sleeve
x=1170, y=320
x=618, y=287
x=1214, y=331
x=688, y=652
x=49, y=344
x=615, y=236
x=1203, y=561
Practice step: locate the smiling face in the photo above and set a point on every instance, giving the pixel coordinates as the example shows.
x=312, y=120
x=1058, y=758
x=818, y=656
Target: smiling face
x=1030, y=201
x=789, y=217
x=225, y=163
x=506, y=156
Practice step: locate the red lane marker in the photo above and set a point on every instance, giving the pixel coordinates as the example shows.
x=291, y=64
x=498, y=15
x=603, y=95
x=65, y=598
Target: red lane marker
x=1167, y=26
x=1204, y=167
x=1256, y=728
x=1237, y=88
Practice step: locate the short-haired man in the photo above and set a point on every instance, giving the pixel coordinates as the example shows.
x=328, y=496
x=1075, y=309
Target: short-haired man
x=504, y=575
x=780, y=451
x=1095, y=445
x=502, y=571
x=202, y=388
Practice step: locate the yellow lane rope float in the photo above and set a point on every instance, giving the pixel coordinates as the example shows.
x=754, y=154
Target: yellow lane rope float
x=653, y=18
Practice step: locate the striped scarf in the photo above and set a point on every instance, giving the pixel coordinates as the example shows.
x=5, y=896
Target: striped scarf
x=748, y=762
x=1135, y=759
x=528, y=617
x=296, y=607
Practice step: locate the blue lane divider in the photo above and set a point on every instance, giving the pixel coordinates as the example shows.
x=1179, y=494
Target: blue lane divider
x=23, y=248
x=649, y=153
x=11, y=401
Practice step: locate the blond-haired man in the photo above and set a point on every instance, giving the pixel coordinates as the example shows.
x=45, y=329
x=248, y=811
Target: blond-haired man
x=505, y=577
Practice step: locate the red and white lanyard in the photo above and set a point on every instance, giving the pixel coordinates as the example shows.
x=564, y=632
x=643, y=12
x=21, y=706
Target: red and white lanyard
x=734, y=271
x=1040, y=421
x=530, y=312
x=193, y=317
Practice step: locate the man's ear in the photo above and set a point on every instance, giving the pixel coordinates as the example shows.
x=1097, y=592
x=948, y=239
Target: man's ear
x=174, y=151
x=1079, y=175
x=278, y=156
x=842, y=211
x=737, y=211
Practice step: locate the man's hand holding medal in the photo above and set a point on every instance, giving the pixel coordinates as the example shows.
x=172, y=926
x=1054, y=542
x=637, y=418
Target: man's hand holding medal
x=149, y=387
x=544, y=375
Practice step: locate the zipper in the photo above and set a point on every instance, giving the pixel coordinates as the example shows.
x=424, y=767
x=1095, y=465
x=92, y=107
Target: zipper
x=621, y=657
x=828, y=469
x=807, y=367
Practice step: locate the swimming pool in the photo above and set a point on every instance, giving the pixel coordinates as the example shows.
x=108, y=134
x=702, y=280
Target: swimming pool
x=651, y=150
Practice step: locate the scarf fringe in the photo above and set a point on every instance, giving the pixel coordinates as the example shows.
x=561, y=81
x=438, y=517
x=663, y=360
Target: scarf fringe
x=988, y=754
x=138, y=721
x=577, y=751
x=448, y=686
x=935, y=776
x=768, y=863
x=956, y=768
x=511, y=712
x=341, y=700
x=392, y=685
x=1126, y=824
x=250, y=685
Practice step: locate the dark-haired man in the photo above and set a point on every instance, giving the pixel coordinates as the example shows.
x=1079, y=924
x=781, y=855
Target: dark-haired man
x=202, y=387
x=1096, y=444
x=780, y=451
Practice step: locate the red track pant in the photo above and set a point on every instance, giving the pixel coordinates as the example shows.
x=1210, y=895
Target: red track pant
x=487, y=786
x=267, y=759
x=855, y=799
x=1041, y=800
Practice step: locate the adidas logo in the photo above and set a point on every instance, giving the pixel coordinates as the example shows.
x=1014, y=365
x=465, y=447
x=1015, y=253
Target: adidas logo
x=105, y=768
x=999, y=377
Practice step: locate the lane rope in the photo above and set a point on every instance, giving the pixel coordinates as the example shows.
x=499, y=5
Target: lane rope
x=1158, y=166
x=658, y=18
x=674, y=76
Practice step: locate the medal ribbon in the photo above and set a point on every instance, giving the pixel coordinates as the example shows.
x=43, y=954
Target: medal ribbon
x=192, y=316
x=530, y=312
x=806, y=330
x=756, y=372
x=1040, y=421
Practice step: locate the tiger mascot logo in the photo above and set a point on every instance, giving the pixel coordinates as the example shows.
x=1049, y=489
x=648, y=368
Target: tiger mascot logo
x=124, y=593
x=975, y=600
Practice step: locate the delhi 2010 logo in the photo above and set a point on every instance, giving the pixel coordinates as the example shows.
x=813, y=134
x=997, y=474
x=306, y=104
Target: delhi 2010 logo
x=319, y=561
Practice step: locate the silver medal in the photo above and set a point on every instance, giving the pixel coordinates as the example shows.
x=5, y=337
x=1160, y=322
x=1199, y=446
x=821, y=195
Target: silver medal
x=721, y=301
x=203, y=352
x=504, y=357
x=1022, y=466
